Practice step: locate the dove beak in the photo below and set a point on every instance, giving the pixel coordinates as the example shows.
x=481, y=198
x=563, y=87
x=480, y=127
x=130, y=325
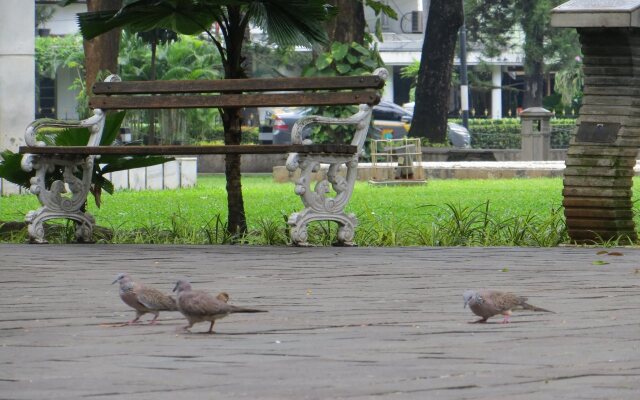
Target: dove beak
x=114, y=281
x=175, y=287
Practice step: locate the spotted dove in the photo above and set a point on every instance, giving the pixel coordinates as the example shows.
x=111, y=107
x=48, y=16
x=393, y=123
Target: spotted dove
x=144, y=299
x=487, y=303
x=199, y=306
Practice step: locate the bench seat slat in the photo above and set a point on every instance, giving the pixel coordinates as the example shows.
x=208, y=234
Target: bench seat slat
x=341, y=149
x=239, y=85
x=233, y=100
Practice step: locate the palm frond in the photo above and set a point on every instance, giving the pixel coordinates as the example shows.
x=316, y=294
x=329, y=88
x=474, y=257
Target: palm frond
x=182, y=16
x=296, y=22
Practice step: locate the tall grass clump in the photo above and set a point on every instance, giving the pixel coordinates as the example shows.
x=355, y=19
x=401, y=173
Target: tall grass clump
x=460, y=225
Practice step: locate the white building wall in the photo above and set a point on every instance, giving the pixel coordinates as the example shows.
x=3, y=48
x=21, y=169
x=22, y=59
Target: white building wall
x=65, y=97
x=17, y=86
x=64, y=20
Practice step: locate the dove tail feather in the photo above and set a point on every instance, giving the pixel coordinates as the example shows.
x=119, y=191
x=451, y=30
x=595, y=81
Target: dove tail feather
x=534, y=308
x=249, y=310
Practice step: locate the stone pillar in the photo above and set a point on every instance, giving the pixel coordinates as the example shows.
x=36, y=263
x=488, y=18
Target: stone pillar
x=601, y=156
x=17, y=71
x=496, y=92
x=536, y=134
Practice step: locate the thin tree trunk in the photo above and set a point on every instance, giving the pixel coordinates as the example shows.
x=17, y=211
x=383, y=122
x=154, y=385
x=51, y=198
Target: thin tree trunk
x=533, y=60
x=436, y=65
x=101, y=53
x=232, y=122
x=534, y=85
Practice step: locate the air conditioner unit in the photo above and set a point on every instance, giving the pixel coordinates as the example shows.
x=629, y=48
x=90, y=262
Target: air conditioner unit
x=416, y=22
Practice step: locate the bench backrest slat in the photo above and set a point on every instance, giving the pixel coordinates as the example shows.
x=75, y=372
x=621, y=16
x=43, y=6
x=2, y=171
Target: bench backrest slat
x=239, y=85
x=234, y=100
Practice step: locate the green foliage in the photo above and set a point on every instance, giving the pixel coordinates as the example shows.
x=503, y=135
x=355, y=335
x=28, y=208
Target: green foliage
x=53, y=52
x=501, y=212
x=341, y=59
x=249, y=136
x=11, y=170
x=495, y=26
x=569, y=83
x=345, y=59
x=276, y=61
x=412, y=70
x=44, y=13
x=458, y=212
x=505, y=133
x=297, y=22
x=187, y=58
x=380, y=8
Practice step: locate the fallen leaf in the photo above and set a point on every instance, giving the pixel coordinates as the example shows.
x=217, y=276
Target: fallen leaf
x=599, y=262
x=615, y=253
x=601, y=252
x=505, y=270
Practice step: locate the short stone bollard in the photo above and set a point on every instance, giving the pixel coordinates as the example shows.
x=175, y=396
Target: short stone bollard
x=536, y=134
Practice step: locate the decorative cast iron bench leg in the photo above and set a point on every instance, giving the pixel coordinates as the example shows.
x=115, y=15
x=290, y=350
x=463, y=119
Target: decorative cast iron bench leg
x=54, y=203
x=319, y=206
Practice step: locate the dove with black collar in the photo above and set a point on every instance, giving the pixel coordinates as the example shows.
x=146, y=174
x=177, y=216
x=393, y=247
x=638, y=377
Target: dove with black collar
x=144, y=299
x=488, y=303
x=199, y=306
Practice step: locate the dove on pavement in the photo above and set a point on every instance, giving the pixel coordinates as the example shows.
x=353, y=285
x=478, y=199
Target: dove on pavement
x=199, y=306
x=488, y=303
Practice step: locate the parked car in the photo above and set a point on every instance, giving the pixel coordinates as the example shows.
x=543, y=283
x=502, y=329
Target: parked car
x=276, y=124
x=389, y=120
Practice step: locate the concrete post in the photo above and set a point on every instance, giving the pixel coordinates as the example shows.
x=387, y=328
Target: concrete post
x=496, y=92
x=17, y=71
x=536, y=134
x=601, y=156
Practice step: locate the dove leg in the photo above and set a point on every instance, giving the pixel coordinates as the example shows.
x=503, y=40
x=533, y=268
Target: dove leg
x=186, y=328
x=137, y=318
x=211, y=327
x=506, y=320
x=155, y=317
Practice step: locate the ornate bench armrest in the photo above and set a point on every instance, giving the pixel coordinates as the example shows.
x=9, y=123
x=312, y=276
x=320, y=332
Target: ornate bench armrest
x=95, y=124
x=361, y=120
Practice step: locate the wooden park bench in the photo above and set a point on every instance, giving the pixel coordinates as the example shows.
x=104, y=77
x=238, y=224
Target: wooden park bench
x=113, y=94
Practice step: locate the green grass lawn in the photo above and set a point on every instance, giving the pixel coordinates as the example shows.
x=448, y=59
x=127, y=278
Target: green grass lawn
x=500, y=212
x=442, y=212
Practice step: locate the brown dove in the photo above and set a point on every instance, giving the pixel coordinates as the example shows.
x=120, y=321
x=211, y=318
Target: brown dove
x=487, y=303
x=199, y=306
x=144, y=299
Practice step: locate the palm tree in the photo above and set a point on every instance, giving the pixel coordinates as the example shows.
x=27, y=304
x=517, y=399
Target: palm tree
x=286, y=22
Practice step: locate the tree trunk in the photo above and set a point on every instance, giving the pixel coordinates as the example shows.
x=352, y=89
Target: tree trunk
x=348, y=26
x=533, y=54
x=101, y=53
x=436, y=65
x=534, y=85
x=232, y=122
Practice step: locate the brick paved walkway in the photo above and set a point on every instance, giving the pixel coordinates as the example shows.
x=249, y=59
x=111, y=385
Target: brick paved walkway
x=351, y=323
